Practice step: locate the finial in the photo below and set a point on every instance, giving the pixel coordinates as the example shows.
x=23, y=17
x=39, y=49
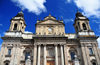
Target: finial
x=21, y=10
x=49, y=14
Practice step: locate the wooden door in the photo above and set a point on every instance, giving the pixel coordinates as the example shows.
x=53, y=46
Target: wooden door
x=50, y=63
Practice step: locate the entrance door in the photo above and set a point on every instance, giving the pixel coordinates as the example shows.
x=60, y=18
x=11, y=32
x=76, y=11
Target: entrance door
x=50, y=63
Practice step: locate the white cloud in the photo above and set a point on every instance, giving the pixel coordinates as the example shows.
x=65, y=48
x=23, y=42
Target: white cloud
x=34, y=6
x=96, y=21
x=89, y=7
x=1, y=25
x=27, y=32
x=98, y=29
x=68, y=20
x=69, y=1
x=98, y=41
x=0, y=45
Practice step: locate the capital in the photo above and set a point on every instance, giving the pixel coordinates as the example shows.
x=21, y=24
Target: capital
x=44, y=44
x=55, y=44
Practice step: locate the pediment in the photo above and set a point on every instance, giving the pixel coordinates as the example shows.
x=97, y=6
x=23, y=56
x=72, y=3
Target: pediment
x=50, y=22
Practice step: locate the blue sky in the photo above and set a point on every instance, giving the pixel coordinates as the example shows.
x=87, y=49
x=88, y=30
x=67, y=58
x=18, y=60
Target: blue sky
x=38, y=9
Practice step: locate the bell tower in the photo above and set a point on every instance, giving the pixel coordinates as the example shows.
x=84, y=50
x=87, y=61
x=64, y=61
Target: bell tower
x=18, y=23
x=82, y=26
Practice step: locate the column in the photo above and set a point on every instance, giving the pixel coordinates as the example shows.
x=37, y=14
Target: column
x=45, y=61
x=38, y=63
x=35, y=55
x=62, y=55
x=56, y=55
x=66, y=55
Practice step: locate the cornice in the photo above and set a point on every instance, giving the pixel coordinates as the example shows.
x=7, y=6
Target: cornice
x=89, y=37
x=11, y=38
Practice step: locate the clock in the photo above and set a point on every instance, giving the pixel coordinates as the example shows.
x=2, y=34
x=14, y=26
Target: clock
x=50, y=30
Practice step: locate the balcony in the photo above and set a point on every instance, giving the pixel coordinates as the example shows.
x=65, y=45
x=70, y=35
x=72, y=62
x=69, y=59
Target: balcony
x=7, y=55
x=92, y=54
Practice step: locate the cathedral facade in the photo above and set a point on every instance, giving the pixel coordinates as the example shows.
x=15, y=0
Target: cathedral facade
x=50, y=45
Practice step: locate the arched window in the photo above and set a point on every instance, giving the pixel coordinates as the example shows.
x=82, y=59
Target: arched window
x=93, y=63
x=9, y=51
x=76, y=28
x=78, y=25
x=91, y=51
x=72, y=54
x=84, y=26
x=15, y=27
x=6, y=64
x=26, y=55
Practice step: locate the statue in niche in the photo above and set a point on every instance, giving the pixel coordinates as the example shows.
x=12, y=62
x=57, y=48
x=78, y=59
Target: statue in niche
x=28, y=61
x=76, y=61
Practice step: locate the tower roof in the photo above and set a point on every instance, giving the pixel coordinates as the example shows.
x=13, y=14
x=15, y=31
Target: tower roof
x=79, y=14
x=20, y=14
